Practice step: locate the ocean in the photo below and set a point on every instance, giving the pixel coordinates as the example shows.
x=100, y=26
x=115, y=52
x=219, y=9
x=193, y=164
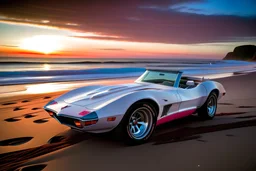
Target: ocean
x=15, y=71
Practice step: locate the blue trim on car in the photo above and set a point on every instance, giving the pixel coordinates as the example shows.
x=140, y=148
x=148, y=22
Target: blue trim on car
x=90, y=116
x=177, y=82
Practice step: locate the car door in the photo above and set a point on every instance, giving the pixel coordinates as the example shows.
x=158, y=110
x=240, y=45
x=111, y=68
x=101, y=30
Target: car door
x=191, y=98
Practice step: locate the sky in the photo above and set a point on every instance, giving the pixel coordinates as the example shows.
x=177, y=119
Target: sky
x=125, y=29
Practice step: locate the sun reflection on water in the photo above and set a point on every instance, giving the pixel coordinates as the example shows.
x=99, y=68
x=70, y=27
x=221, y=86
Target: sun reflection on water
x=46, y=67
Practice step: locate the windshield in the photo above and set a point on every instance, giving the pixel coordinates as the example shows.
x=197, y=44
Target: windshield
x=159, y=77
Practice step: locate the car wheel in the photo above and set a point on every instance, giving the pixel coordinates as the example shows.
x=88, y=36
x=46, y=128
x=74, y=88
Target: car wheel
x=138, y=124
x=208, y=110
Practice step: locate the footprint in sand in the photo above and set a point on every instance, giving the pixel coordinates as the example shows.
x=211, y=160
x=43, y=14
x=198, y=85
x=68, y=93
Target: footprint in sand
x=231, y=113
x=47, y=97
x=246, y=117
x=15, y=119
x=17, y=108
x=25, y=101
x=200, y=140
x=56, y=139
x=178, y=139
x=36, y=167
x=225, y=103
x=35, y=108
x=229, y=135
x=10, y=103
x=246, y=107
x=11, y=119
x=15, y=141
x=39, y=121
x=29, y=116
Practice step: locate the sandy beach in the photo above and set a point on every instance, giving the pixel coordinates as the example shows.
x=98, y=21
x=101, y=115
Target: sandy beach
x=31, y=139
x=49, y=48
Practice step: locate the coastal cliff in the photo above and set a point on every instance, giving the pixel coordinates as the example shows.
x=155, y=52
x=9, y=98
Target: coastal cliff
x=245, y=52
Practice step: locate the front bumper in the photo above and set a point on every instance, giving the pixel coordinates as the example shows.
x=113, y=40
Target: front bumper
x=74, y=122
x=91, y=121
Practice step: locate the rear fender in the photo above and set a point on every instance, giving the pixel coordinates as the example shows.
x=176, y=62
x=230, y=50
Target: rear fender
x=212, y=85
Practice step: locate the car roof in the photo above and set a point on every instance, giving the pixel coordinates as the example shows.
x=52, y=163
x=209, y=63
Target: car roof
x=164, y=70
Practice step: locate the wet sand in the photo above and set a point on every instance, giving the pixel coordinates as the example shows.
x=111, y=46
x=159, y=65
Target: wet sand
x=30, y=139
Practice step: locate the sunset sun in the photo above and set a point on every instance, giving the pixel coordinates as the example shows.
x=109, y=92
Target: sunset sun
x=45, y=44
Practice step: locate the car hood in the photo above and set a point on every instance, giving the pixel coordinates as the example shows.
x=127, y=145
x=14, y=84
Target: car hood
x=102, y=94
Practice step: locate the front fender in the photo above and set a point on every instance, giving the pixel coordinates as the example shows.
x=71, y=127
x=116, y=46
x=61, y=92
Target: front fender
x=76, y=92
x=122, y=104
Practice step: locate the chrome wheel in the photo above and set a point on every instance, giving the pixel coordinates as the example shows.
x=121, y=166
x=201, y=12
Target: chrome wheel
x=140, y=122
x=211, y=106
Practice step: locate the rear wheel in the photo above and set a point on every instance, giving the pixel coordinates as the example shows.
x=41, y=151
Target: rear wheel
x=208, y=110
x=138, y=124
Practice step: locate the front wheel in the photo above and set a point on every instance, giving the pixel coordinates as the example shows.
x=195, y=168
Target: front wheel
x=208, y=110
x=138, y=124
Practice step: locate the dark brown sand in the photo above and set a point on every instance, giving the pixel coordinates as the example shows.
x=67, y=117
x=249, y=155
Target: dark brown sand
x=30, y=139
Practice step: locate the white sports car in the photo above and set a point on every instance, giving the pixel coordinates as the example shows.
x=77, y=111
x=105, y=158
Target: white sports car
x=134, y=110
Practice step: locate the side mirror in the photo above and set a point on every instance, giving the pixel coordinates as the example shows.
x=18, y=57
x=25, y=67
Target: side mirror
x=190, y=83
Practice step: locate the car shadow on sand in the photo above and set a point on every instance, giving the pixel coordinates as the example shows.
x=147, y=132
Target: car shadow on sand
x=188, y=133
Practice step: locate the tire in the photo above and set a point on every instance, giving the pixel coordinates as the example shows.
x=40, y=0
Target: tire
x=138, y=124
x=209, y=108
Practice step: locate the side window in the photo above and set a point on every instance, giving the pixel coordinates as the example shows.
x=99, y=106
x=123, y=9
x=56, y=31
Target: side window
x=183, y=82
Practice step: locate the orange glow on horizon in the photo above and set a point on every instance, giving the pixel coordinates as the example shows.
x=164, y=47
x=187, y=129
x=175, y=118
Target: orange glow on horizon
x=73, y=43
x=75, y=47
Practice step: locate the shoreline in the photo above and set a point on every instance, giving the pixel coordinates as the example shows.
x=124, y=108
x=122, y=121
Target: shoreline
x=50, y=73
x=14, y=89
